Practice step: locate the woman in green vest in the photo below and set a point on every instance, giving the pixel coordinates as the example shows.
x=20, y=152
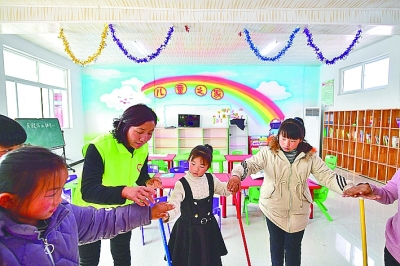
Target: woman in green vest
x=115, y=173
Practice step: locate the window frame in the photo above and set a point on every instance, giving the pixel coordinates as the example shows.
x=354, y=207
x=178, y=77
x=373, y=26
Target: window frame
x=362, y=64
x=42, y=86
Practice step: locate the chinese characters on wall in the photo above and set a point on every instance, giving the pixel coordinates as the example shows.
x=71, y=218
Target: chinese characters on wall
x=181, y=88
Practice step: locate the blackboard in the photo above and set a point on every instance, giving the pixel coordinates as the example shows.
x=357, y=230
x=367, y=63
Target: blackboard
x=43, y=132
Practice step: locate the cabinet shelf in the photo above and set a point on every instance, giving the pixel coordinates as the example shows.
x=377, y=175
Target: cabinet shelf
x=365, y=142
x=181, y=140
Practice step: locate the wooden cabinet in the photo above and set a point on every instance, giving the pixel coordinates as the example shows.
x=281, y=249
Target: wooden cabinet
x=238, y=139
x=365, y=142
x=183, y=139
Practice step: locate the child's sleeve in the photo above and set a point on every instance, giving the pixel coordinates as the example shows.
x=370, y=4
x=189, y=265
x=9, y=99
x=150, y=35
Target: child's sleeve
x=177, y=196
x=221, y=188
x=94, y=224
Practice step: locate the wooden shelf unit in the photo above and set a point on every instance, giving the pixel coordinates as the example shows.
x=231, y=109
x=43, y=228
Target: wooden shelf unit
x=238, y=139
x=362, y=140
x=183, y=139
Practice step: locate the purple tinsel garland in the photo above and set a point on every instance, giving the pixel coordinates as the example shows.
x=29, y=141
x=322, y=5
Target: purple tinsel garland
x=144, y=59
x=321, y=57
x=276, y=57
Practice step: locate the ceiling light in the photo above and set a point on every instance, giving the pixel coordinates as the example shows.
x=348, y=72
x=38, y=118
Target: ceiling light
x=140, y=48
x=380, y=30
x=269, y=47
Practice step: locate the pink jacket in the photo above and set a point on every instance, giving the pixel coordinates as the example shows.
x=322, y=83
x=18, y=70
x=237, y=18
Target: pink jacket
x=390, y=193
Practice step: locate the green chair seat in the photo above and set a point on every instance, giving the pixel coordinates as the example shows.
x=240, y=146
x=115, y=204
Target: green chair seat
x=162, y=165
x=253, y=196
x=320, y=195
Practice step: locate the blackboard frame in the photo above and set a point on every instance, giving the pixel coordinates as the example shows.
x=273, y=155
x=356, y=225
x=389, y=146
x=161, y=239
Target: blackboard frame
x=44, y=132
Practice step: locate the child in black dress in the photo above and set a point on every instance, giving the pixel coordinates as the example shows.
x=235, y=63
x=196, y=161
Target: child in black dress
x=196, y=239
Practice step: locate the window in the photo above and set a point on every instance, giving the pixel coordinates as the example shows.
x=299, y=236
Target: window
x=35, y=88
x=371, y=74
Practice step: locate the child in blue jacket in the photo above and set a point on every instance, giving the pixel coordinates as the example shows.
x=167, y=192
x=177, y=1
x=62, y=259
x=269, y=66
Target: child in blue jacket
x=38, y=228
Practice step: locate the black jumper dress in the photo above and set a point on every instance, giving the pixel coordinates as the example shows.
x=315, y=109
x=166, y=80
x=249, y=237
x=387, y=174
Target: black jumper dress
x=196, y=239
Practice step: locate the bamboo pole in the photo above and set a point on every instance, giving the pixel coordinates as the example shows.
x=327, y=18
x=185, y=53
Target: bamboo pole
x=363, y=232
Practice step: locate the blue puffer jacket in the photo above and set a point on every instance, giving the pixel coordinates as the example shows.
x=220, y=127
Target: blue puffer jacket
x=20, y=244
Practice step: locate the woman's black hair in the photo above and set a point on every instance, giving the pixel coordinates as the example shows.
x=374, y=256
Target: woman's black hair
x=22, y=170
x=302, y=122
x=204, y=151
x=293, y=129
x=11, y=132
x=134, y=116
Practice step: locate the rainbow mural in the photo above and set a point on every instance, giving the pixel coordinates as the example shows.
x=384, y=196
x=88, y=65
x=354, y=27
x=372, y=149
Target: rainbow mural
x=257, y=106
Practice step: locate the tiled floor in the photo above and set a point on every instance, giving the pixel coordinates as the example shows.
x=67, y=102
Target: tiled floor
x=336, y=243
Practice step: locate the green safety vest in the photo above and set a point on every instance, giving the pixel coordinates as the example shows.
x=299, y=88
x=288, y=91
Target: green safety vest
x=121, y=168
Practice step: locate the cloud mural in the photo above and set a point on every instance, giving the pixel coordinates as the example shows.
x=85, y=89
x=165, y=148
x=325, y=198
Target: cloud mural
x=129, y=94
x=273, y=90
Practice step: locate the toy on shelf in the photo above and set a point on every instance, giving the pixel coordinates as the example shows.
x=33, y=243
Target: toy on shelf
x=274, y=124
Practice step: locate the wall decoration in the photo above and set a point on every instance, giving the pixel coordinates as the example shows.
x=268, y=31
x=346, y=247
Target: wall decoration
x=327, y=92
x=217, y=94
x=180, y=88
x=160, y=92
x=221, y=116
x=255, y=50
x=128, y=94
x=318, y=52
x=144, y=59
x=258, y=106
x=91, y=58
x=201, y=90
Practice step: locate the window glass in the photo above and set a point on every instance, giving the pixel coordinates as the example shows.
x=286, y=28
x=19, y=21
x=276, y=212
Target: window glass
x=376, y=74
x=11, y=92
x=52, y=75
x=32, y=97
x=352, y=79
x=46, y=107
x=19, y=66
x=371, y=74
x=29, y=101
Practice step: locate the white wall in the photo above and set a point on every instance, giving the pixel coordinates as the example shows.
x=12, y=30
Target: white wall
x=373, y=99
x=73, y=136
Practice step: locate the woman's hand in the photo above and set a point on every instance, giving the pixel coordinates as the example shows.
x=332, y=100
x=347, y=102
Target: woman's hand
x=361, y=190
x=234, y=184
x=160, y=210
x=154, y=182
x=141, y=195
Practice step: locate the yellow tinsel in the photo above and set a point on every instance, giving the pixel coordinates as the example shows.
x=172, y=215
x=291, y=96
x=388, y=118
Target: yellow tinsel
x=91, y=58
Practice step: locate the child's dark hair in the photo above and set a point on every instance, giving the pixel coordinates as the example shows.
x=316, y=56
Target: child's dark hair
x=204, y=151
x=22, y=170
x=292, y=128
x=11, y=132
x=134, y=116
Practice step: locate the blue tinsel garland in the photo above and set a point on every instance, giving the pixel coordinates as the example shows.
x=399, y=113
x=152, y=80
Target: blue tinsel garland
x=144, y=59
x=321, y=57
x=276, y=57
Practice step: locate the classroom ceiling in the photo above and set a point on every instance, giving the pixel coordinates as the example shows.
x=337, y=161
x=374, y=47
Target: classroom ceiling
x=206, y=32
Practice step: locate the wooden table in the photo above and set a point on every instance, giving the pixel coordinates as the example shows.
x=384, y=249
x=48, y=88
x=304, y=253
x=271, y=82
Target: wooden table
x=230, y=158
x=169, y=158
